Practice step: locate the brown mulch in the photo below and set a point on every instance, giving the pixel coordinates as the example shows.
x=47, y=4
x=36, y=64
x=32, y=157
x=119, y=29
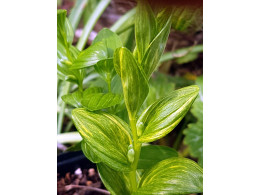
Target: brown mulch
x=81, y=182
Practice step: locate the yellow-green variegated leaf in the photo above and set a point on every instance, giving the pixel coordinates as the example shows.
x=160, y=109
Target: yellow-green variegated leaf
x=106, y=135
x=91, y=90
x=187, y=17
x=145, y=28
x=87, y=151
x=172, y=176
x=134, y=82
x=69, y=31
x=97, y=101
x=61, y=30
x=164, y=115
x=116, y=182
x=65, y=32
x=155, y=50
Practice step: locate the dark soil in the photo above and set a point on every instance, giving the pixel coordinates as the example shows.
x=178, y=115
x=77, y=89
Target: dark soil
x=81, y=182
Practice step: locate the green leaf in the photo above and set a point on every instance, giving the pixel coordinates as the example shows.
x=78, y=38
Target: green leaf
x=107, y=136
x=69, y=31
x=73, y=99
x=145, y=27
x=197, y=109
x=172, y=176
x=185, y=17
x=65, y=32
x=182, y=53
x=75, y=147
x=135, y=85
x=102, y=48
x=97, y=101
x=61, y=31
x=164, y=115
x=91, y=90
x=91, y=56
x=194, y=132
x=86, y=149
x=116, y=182
x=65, y=59
x=152, y=154
x=159, y=86
x=155, y=50
x=111, y=40
x=106, y=69
x=116, y=85
x=194, y=140
x=199, y=82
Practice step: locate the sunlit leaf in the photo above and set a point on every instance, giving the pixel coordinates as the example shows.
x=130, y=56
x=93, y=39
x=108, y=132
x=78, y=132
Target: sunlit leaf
x=154, y=52
x=172, y=176
x=69, y=31
x=102, y=48
x=65, y=59
x=73, y=99
x=110, y=39
x=135, y=85
x=87, y=151
x=145, y=27
x=163, y=115
x=97, y=101
x=61, y=30
x=91, y=56
x=107, y=136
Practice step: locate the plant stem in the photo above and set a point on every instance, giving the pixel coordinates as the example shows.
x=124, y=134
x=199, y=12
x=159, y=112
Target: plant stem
x=137, y=149
x=91, y=22
x=109, y=83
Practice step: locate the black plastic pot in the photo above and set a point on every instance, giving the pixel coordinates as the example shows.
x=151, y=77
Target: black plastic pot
x=70, y=161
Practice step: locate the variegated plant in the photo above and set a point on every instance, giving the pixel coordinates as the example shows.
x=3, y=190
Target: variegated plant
x=126, y=165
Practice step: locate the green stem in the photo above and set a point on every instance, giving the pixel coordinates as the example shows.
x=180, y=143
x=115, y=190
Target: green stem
x=91, y=22
x=137, y=150
x=109, y=83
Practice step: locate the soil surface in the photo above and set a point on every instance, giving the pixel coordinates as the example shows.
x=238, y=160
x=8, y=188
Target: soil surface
x=81, y=182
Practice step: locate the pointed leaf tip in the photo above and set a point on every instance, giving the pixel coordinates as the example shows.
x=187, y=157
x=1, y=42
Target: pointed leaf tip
x=165, y=114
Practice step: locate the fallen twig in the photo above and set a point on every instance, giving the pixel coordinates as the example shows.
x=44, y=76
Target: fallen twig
x=87, y=188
